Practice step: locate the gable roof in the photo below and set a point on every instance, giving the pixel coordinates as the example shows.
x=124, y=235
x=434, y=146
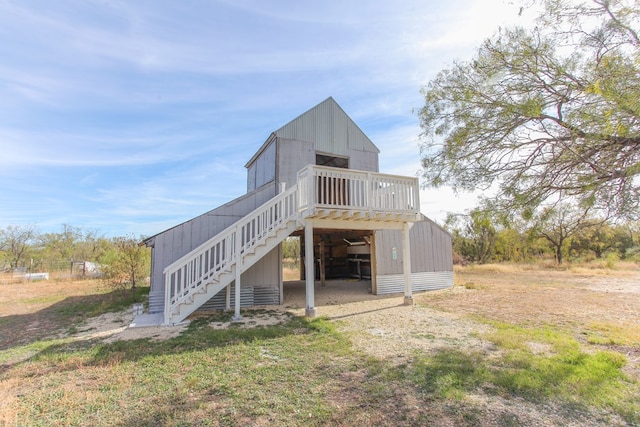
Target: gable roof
x=329, y=128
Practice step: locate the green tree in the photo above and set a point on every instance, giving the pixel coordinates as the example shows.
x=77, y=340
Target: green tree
x=291, y=248
x=126, y=263
x=15, y=243
x=92, y=245
x=632, y=231
x=474, y=235
x=601, y=238
x=63, y=245
x=558, y=225
x=510, y=245
x=544, y=114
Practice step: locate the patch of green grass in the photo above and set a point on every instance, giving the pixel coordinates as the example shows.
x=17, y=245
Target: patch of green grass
x=603, y=333
x=13, y=354
x=114, y=301
x=49, y=299
x=450, y=374
x=537, y=364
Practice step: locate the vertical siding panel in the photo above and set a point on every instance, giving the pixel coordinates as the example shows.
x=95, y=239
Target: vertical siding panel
x=428, y=241
x=251, y=177
x=431, y=264
x=363, y=160
x=438, y=248
x=293, y=156
x=330, y=128
x=264, y=276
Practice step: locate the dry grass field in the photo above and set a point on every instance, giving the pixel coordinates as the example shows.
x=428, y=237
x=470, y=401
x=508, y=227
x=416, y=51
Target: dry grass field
x=598, y=307
x=509, y=345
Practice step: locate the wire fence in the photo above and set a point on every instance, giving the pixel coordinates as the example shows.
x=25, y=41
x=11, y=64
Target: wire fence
x=49, y=269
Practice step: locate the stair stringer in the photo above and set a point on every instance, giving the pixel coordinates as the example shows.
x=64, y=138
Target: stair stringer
x=211, y=289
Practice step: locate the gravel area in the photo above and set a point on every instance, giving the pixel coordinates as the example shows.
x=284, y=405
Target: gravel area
x=383, y=326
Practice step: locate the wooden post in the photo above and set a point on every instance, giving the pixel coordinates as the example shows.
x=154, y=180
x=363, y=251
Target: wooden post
x=310, y=310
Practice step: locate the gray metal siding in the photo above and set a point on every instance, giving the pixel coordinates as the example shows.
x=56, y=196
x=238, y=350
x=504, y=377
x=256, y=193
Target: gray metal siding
x=260, y=285
x=263, y=169
x=388, y=244
x=219, y=300
x=363, y=160
x=326, y=129
x=425, y=281
x=265, y=274
x=249, y=296
x=431, y=249
x=293, y=156
x=329, y=128
x=251, y=176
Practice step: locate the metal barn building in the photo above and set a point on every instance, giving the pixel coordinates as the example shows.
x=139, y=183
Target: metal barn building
x=316, y=177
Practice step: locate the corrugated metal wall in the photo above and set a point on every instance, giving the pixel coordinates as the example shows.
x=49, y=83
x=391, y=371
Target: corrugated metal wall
x=293, y=156
x=263, y=169
x=431, y=249
x=219, y=300
x=329, y=128
x=425, y=281
x=265, y=275
x=260, y=285
x=431, y=258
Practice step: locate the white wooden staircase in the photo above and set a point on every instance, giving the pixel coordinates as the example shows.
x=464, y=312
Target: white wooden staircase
x=321, y=194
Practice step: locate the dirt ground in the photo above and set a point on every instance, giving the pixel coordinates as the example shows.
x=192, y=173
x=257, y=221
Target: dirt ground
x=380, y=325
x=586, y=301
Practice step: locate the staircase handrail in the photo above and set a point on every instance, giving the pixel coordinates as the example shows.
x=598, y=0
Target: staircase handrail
x=204, y=263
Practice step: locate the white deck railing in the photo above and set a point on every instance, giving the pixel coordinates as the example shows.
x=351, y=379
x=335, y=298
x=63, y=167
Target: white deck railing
x=318, y=188
x=333, y=188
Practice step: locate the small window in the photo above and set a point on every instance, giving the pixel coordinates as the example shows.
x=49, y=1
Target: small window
x=332, y=161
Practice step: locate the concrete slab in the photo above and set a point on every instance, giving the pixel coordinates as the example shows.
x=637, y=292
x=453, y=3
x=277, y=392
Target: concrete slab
x=146, y=320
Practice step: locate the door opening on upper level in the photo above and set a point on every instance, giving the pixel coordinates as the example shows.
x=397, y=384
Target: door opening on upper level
x=331, y=190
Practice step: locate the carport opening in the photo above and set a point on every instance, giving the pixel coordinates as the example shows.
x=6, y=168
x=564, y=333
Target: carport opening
x=342, y=259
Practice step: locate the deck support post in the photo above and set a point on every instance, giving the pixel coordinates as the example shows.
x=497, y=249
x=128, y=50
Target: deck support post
x=236, y=315
x=310, y=310
x=321, y=264
x=406, y=263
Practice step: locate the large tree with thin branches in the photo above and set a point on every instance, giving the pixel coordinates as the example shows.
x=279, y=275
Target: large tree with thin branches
x=545, y=114
x=15, y=243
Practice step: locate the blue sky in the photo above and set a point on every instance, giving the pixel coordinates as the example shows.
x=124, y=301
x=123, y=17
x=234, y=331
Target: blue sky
x=129, y=117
